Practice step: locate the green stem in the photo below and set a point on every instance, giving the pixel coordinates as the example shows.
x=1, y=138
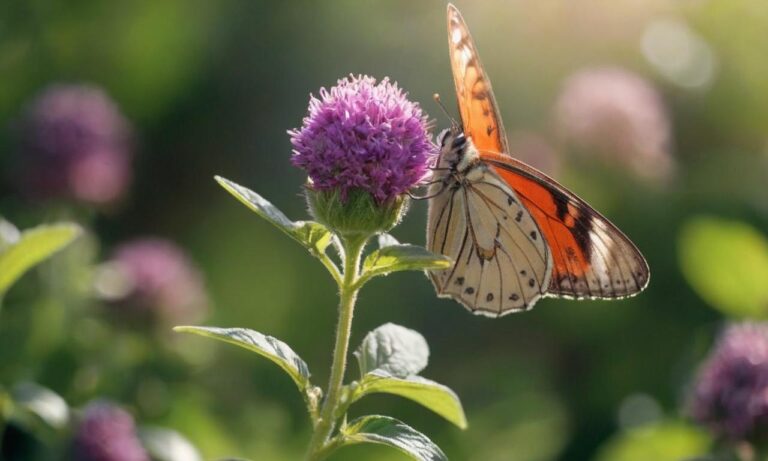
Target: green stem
x=319, y=446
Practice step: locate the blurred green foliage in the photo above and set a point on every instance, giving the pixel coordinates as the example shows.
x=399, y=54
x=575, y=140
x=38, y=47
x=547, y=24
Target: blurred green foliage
x=664, y=441
x=726, y=262
x=211, y=88
x=29, y=248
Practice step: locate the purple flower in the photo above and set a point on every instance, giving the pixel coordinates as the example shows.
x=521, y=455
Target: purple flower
x=75, y=145
x=730, y=394
x=155, y=278
x=363, y=135
x=619, y=115
x=107, y=433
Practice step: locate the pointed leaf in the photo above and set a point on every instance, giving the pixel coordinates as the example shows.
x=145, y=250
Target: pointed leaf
x=438, y=398
x=396, y=434
x=313, y=236
x=266, y=346
x=32, y=247
x=393, y=258
x=396, y=350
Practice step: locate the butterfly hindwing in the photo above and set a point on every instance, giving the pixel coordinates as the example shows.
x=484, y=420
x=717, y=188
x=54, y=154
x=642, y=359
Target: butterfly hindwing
x=501, y=262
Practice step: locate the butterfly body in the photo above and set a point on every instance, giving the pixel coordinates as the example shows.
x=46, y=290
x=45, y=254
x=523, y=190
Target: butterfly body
x=515, y=234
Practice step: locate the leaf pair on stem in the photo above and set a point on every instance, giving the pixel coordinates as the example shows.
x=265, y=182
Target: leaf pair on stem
x=390, y=357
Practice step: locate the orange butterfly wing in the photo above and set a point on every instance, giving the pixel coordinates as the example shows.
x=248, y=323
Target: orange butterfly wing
x=477, y=105
x=591, y=257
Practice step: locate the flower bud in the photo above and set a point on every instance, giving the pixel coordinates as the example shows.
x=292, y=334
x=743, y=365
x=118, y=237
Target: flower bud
x=358, y=215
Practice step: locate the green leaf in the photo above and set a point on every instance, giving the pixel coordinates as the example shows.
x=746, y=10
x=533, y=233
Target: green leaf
x=266, y=346
x=391, y=432
x=313, y=236
x=32, y=247
x=726, y=263
x=167, y=445
x=394, y=258
x=662, y=441
x=46, y=406
x=430, y=394
x=396, y=350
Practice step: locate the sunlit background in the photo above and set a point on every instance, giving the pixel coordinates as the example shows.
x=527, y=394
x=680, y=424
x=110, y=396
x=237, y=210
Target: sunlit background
x=654, y=111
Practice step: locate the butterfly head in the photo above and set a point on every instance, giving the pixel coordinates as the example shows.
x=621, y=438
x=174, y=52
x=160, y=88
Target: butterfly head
x=457, y=151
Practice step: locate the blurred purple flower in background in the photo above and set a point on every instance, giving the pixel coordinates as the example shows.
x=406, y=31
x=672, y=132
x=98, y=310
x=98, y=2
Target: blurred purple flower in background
x=153, y=278
x=75, y=144
x=535, y=150
x=363, y=135
x=620, y=116
x=107, y=433
x=730, y=394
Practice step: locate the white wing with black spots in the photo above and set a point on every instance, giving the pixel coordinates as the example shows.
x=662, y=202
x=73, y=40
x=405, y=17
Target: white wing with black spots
x=501, y=262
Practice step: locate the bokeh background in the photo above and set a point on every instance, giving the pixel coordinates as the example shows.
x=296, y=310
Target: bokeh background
x=656, y=112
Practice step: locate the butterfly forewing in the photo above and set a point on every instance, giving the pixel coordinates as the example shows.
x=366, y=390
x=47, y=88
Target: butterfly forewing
x=477, y=104
x=501, y=262
x=592, y=257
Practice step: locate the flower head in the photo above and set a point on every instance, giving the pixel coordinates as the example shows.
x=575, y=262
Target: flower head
x=107, y=433
x=363, y=135
x=730, y=394
x=75, y=145
x=155, y=278
x=619, y=115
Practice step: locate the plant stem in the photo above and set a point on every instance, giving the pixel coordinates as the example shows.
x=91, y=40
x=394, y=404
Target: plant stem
x=353, y=248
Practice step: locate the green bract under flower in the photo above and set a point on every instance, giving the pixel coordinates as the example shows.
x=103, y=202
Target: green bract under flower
x=363, y=135
x=356, y=215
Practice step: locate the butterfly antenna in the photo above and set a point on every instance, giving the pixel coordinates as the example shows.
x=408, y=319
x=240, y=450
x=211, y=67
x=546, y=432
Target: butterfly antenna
x=454, y=123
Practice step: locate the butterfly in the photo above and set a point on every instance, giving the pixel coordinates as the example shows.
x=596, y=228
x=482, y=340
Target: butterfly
x=515, y=235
